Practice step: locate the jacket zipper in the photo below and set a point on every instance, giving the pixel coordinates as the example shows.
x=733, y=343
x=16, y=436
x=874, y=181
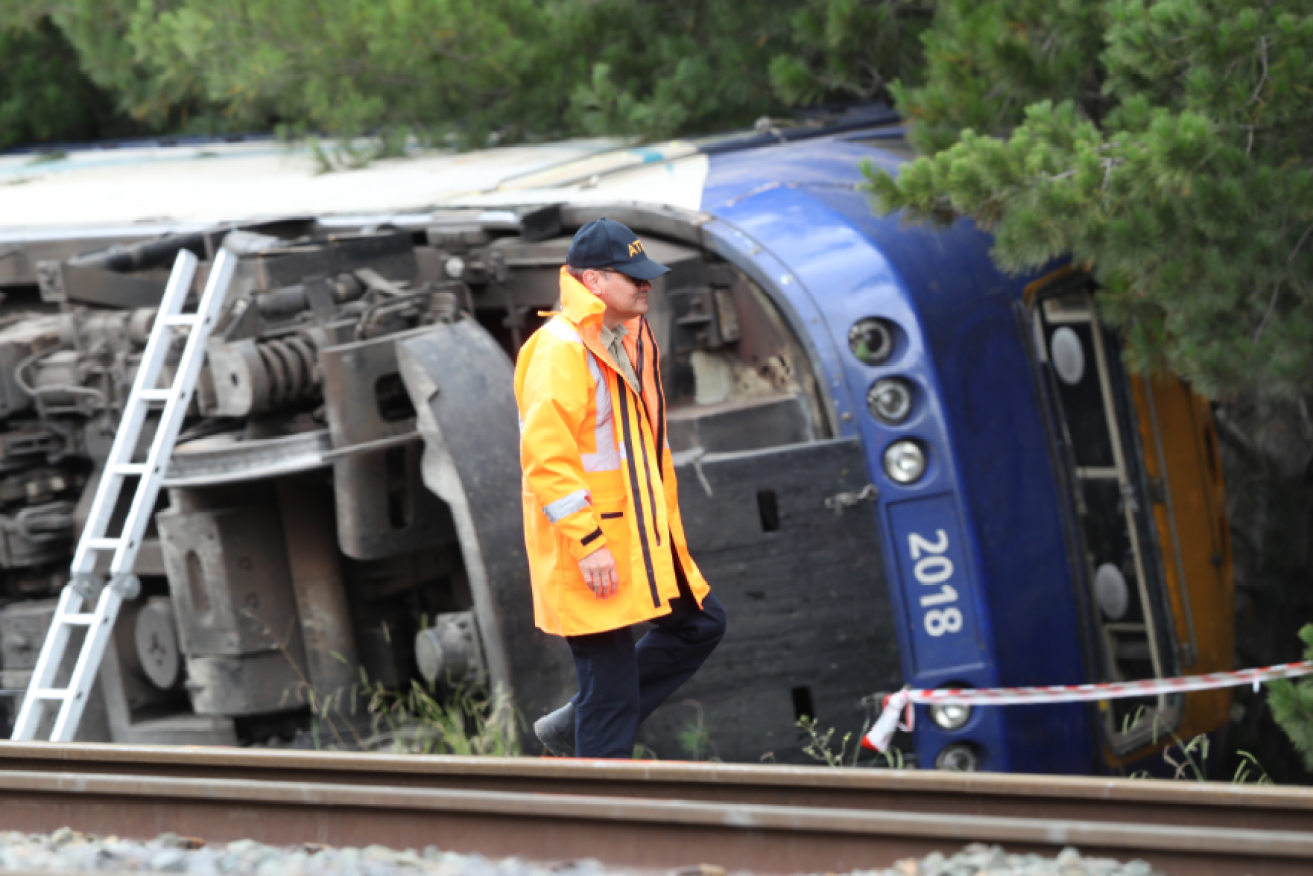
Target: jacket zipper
x=625, y=391
x=647, y=470
x=661, y=395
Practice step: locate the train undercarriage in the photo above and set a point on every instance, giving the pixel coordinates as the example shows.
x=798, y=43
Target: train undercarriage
x=342, y=508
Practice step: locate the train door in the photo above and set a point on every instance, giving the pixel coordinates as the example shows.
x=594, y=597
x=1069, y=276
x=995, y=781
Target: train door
x=1130, y=620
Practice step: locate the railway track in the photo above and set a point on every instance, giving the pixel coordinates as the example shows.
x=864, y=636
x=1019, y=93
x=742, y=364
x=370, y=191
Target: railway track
x=646, y=814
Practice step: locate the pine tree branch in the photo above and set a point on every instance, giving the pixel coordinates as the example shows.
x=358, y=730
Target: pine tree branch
x=1271, y=305
x=1294, y=252
x=1262, y=54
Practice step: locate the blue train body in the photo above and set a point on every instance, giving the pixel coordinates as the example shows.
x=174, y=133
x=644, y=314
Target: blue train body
x=793, y=217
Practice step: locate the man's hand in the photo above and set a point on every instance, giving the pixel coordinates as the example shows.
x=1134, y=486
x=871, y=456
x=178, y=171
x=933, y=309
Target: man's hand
x=600, y=573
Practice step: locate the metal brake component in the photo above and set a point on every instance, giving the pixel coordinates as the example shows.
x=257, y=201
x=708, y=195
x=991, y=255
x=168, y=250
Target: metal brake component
x=374, y=280
x=128, y=586
x=840, y=502
x=87, y=586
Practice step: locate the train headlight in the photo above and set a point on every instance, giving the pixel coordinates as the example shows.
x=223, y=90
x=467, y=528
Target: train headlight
x=958, y=758
x=890, y=400
x=904, y=462
x=1111, y=591
x=871, y=341
x=949, y=716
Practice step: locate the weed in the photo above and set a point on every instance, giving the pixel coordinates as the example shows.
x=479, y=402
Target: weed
x=820, y=746
x=460, y=720
x=1191, y=762
x=1197, y=746
x=425, y=719
x=1242, y=773
x=695, y=738
x=893, y=758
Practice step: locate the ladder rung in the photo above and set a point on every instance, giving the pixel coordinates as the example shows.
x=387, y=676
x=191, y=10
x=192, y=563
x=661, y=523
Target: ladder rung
x=187, y=319
x=105, y=544
x=154, y=395
x=50, y=693
x=130, y=468
x=79, y=620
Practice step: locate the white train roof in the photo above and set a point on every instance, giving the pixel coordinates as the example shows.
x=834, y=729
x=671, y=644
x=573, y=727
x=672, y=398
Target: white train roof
x=106, y=192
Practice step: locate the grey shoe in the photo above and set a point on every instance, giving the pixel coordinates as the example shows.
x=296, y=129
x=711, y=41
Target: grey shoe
x=556, y=731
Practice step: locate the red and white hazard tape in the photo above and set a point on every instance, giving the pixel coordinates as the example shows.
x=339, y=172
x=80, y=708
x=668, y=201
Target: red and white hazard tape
x=896, y=704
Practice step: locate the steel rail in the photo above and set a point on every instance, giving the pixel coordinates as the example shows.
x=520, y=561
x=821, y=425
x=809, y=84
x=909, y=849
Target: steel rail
x=1149, y=802
x=620, y=831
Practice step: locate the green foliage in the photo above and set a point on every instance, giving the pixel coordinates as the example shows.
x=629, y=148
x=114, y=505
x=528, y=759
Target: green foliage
x=1292, y=705
x=96, y=29
x=452, y=718
x=1244, y=773
x=422, y=720
x=469, y=72
x=340, y=65
x=985, y=62
x=846, y=50
x=43, y=96
x=1189, y=759
x=820, y=745
x=659, y=69
x=695, y=739
x=1161, y=144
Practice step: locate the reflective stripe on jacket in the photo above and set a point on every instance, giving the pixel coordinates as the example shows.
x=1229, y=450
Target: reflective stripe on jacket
x=597, y=471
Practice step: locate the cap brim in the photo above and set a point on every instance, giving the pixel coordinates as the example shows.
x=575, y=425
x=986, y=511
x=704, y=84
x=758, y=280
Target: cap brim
x=642, y=270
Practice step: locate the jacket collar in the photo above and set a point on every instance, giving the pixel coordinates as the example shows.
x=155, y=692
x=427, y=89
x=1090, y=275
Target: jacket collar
x=578, y=304
x=584, y=309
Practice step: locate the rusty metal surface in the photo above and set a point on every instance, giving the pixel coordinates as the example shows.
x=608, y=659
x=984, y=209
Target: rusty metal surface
x=324, y=613
x=1142, y=802
x=620, y=831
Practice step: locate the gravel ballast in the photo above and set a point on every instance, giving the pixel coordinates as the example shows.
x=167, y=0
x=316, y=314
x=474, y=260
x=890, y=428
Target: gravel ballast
x=67, y=851
x=978, y=859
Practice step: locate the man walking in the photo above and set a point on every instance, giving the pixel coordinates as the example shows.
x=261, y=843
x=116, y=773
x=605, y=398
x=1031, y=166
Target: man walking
x=601, y=511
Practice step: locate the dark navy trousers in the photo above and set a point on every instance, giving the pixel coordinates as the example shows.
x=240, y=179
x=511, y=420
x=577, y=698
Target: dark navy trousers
x=621, y=682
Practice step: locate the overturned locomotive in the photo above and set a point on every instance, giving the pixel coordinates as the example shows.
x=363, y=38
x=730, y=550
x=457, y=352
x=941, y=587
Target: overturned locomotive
x=895, y=464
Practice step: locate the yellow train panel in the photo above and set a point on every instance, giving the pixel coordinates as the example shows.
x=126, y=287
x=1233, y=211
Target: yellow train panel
x=1182, y=462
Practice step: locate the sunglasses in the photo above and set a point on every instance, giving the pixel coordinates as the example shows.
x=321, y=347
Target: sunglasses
x=633, y=282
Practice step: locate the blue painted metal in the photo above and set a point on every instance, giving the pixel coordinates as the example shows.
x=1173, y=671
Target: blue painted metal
x=793, y=218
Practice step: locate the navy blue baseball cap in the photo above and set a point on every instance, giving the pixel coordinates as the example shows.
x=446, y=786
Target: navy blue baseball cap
x=605, y=243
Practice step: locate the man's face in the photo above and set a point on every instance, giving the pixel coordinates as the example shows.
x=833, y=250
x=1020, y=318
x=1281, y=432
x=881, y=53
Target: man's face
x=624, y=297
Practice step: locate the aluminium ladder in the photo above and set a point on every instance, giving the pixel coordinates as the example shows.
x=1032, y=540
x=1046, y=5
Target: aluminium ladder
x=95, y=540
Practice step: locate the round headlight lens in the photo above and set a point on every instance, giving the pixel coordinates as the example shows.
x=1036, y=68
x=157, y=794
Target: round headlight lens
x=871, y=341
x=890, y=400
x=1111, y=591
x=958, y=758
x=949, y=716
x=904, y=462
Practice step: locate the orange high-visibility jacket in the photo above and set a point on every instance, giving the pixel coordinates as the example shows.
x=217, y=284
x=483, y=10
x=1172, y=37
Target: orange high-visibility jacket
x=597, y=471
